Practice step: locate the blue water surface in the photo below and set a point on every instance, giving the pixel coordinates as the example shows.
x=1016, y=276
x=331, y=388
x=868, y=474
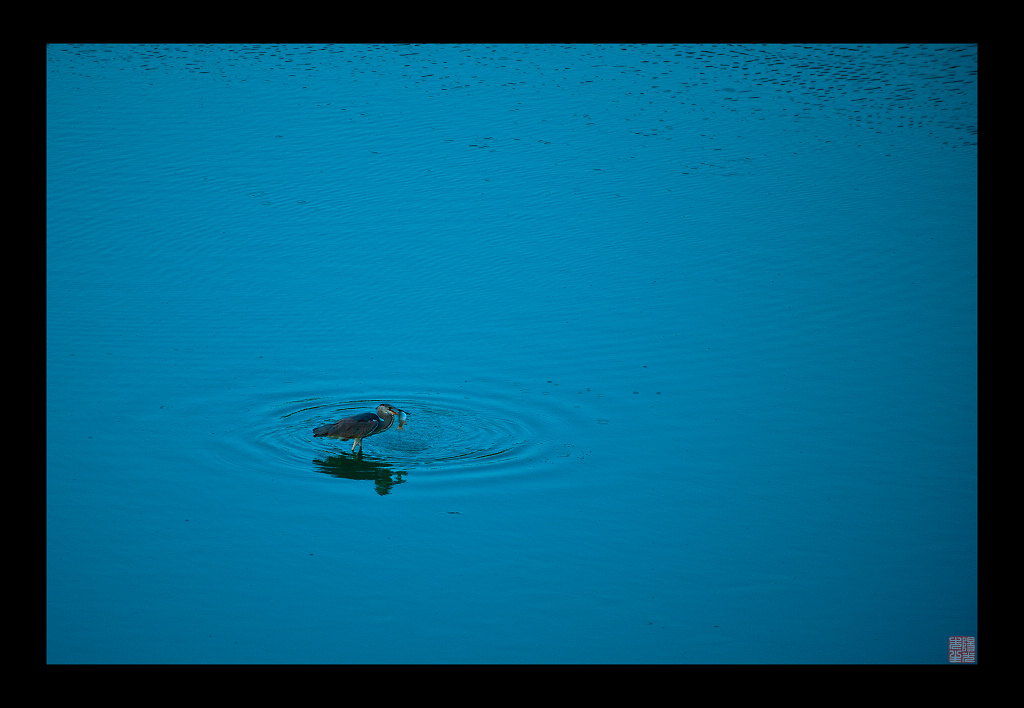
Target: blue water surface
x=687, y=336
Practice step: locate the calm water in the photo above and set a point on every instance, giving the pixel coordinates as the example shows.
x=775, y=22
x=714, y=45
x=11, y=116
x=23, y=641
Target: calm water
x=687, y=336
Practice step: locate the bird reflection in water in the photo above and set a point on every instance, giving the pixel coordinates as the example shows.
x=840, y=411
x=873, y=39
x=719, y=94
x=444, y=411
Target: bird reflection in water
x=344, y=467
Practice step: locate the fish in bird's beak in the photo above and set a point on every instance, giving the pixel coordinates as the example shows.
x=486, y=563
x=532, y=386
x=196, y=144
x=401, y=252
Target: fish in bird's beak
x=401, y=419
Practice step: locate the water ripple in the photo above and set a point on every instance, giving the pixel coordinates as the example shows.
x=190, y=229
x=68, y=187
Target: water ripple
x=449, y=438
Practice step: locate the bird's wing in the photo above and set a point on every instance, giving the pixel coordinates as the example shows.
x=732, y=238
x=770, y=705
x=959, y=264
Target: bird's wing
x=368, y=422
x=359, y=426
x=355, y=426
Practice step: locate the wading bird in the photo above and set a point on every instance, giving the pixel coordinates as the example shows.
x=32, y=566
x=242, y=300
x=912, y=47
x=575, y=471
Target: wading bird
x=357, y=427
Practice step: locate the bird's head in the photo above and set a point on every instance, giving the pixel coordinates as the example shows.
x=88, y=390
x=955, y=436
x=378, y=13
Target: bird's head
x=387, y=409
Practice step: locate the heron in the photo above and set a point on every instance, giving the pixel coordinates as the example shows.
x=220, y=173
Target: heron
x=357, y=427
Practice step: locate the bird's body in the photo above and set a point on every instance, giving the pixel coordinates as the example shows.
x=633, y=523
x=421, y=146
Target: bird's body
x=357, y=427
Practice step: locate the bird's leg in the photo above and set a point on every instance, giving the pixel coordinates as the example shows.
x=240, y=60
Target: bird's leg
x=357, y=440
